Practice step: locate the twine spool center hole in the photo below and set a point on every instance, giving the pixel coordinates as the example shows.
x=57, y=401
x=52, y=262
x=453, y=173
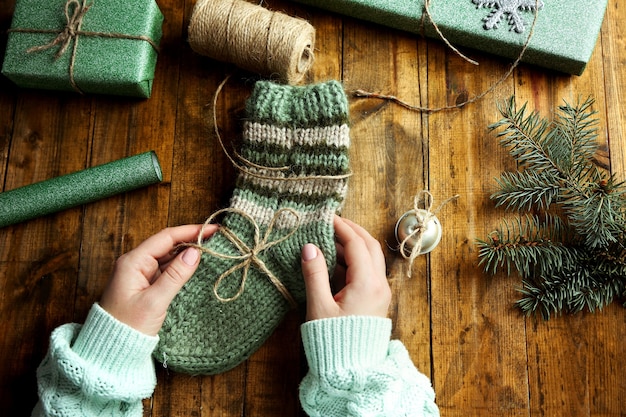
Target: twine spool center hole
x=305, y=59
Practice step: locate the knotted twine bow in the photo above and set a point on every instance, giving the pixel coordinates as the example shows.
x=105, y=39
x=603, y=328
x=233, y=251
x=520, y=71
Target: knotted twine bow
x=74, y=13
x=415, y=237
x=248, y=255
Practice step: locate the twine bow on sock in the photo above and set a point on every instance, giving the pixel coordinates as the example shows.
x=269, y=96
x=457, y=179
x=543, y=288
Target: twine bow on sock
x=249, y=255
x=75, y=12
x=415, y=237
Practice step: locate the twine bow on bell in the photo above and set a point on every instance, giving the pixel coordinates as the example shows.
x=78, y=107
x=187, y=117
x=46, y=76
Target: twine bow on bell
x=415, y=237
x=249, y=255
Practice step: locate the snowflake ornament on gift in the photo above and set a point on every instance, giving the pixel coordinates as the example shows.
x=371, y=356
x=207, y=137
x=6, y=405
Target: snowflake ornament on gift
x=511, y=8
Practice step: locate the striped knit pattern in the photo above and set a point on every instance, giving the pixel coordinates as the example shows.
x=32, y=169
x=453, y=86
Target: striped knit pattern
x=302, y=128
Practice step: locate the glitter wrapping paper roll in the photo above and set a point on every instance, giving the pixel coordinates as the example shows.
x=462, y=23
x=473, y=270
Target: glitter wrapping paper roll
x=564, y=36
x=104, y=62
x=71, y=190
x=253, y=38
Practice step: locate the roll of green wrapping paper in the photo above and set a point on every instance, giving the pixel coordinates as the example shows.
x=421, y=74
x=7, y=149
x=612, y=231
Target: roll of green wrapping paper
x=86, y=186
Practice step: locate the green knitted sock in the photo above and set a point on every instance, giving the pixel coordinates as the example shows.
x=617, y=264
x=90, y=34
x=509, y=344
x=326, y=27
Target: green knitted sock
x=231, y=306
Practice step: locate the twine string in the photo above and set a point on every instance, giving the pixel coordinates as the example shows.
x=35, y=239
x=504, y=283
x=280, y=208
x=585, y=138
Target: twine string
x=248, y=255
x=426, y=14
x=415, y=237
x=75, y=12
x=367, y=94
x=250, y=168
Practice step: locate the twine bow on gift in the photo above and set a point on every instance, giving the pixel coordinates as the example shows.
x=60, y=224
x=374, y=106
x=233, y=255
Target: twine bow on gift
x=71, y=30
x=75, y=12
x=415, y=237
x=249, y=255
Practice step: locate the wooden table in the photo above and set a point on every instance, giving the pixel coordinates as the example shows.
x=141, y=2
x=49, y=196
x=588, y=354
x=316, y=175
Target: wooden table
x=484, y=357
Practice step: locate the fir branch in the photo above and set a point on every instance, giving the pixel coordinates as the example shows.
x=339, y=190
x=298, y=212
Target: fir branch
x=525, y=137
x=570, y=291
x=579, y=125
x=598, y=215
x=523, y=190
x=544, y=298
x=528, y=245
x=571, y=252
x=611, y=260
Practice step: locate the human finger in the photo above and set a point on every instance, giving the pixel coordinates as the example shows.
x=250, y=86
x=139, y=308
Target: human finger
x=317, y=283
x=356, y=253
x=340, y=251
x=372, y=244
x=160, y=245
x=131, y=300
x=172, y=279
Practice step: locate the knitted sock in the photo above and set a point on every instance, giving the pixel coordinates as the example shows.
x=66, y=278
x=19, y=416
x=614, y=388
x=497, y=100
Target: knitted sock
x=231, y=305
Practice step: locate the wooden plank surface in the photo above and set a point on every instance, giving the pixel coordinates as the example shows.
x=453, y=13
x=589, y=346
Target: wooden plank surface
x=484, y=357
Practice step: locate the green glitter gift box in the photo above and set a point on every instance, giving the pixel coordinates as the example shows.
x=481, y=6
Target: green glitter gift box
x=96, y=46
x=563, y=37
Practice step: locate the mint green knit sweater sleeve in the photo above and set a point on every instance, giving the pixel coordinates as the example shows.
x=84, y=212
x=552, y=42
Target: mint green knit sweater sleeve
x=355, y=370
x=102, y=368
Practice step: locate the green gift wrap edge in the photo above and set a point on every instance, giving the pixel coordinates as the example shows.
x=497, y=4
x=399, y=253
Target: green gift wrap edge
x=81, y=187
x=563, y=39
x=103, y=64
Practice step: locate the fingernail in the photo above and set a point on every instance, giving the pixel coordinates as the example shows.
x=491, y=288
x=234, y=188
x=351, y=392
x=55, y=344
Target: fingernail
x=309, y=252
x=191, y=255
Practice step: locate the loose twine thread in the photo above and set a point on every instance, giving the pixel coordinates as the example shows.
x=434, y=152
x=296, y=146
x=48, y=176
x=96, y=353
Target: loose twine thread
x=415, y=237
x=250, y=168
x=75, y=11
x=253, y=38
x=426, y=15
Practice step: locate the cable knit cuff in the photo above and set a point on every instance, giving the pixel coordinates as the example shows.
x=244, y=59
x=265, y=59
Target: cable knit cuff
x=345, y=342
x=104, y=359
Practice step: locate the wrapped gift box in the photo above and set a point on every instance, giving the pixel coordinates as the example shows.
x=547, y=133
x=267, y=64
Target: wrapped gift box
x=113, y=52
x=563, y=39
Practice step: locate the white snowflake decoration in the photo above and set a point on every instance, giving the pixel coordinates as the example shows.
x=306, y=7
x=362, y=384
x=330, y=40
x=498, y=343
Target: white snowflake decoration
x=511, y=8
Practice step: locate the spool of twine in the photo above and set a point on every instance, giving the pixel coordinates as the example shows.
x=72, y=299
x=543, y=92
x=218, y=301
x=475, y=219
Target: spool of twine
x=253, y=38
